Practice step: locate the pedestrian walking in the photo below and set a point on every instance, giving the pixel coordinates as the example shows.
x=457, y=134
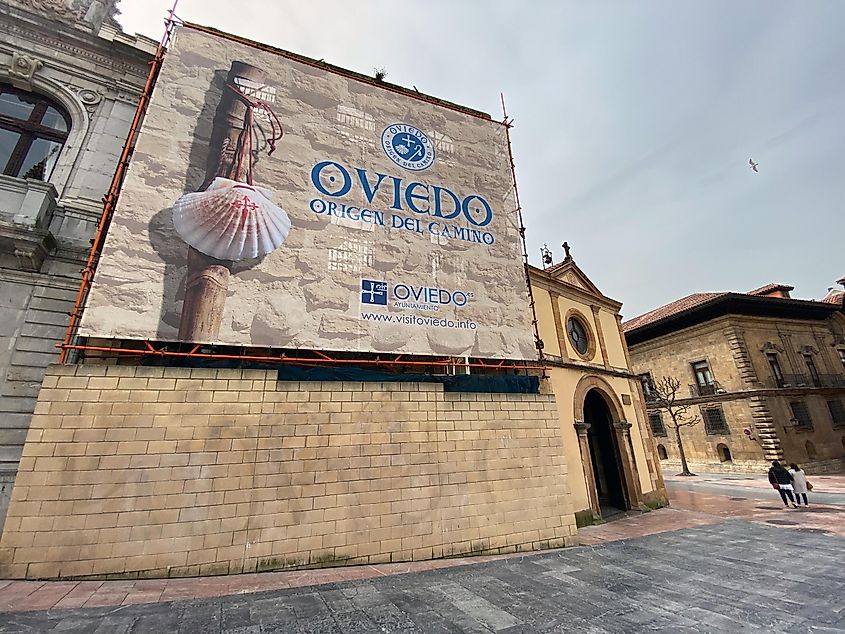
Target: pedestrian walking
x=799, y=483
x=781, y=480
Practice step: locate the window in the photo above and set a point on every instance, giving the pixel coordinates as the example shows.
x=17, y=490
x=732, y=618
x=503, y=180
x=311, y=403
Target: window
x=800, y=415
x=714, y=421
x=655, y=420
x=724, y=453
x=703, y=378
x=661, y=452
x=578, y=335
x=33, y=130
x=774, y=365
x=811, y=368
x=842, y=356
x=837, y=413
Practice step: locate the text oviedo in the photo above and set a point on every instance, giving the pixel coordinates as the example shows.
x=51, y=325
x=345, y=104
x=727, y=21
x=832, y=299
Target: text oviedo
x=336, y=181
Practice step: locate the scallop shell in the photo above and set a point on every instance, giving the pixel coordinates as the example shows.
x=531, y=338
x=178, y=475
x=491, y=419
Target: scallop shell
x=231, y=220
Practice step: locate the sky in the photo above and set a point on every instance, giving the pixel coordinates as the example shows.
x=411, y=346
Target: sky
x=633, y=121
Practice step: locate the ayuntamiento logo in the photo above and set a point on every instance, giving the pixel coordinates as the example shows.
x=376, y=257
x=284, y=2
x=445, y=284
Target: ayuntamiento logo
x=407, y=146
x=374, y=292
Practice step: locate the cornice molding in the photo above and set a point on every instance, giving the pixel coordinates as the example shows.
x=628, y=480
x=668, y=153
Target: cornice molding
x=51, y=35
x=589, y=368
x=32, y=278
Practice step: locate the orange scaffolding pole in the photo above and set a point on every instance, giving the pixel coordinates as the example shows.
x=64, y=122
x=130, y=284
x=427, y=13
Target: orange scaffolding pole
x=537, y=341
x=110, y=199
x=149, y=350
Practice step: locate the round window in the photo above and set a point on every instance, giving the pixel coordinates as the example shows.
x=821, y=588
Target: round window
x=578, y=335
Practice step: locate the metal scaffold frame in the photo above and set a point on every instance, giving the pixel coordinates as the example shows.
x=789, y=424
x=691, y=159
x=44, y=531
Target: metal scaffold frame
x=110, y=199
x=174, y=351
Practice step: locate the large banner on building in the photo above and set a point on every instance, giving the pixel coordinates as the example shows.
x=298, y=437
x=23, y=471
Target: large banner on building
x=274, y=201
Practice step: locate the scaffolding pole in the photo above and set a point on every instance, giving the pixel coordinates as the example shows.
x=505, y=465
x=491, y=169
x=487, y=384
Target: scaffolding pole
x=537, y=341
x=110, y=199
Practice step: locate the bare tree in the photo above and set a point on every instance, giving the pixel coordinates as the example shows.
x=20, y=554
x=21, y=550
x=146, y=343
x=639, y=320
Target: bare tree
x=664, y=396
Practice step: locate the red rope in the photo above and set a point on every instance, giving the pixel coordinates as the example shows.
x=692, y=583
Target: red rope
x=244, y=149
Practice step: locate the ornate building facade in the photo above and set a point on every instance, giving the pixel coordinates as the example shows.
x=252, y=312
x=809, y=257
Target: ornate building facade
x=608, y=444
x=70, y=80
x=764, y=372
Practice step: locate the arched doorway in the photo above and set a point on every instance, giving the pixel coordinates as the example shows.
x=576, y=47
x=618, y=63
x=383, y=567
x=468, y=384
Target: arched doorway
x=604, y=454
x=724, y=453
x=661, y=452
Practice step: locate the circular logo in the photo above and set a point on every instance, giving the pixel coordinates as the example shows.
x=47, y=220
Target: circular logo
x=407, y=146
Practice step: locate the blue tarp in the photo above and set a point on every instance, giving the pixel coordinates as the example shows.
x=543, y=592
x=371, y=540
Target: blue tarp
x=511, y=384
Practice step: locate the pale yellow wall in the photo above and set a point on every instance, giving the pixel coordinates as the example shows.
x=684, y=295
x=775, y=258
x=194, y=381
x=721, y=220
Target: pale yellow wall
x=563, y=384
x=565, y=304
x=613, y=340
x=638, y=439
x=546, y=320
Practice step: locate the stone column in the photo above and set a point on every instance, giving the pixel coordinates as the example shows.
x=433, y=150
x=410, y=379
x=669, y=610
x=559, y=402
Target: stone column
x=626, y=453
x=581, y=429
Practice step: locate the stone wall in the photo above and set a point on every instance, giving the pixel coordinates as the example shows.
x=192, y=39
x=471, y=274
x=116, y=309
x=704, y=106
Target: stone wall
x=736, y=347
x=133, y=471
x=97, y=75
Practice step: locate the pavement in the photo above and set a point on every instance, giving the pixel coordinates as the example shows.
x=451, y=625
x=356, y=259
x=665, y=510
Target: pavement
x=725, y=558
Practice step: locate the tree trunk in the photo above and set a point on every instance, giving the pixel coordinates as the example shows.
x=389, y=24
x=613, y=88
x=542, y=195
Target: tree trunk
x=684, y=468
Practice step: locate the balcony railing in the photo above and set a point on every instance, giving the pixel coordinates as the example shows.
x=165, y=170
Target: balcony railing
x=832, y=380
x=803, y=380
x=705, y=390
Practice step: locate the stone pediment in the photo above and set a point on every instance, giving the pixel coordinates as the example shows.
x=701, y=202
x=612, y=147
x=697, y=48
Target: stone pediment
x=569, y=273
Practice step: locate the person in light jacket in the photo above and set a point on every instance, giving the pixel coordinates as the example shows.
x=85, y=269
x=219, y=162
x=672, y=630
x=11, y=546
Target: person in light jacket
x=799, y=483
x=781, y=480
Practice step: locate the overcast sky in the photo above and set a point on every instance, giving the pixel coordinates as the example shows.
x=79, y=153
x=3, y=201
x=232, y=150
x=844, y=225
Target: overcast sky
x=634, y=121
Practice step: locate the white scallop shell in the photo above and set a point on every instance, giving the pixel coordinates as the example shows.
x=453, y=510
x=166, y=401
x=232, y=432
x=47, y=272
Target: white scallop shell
x=231, y=220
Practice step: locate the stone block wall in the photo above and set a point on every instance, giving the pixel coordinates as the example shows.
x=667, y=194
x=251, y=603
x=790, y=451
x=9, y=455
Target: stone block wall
x=136, y=471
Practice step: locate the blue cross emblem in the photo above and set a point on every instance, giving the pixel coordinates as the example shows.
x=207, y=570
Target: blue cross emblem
x=373, y=292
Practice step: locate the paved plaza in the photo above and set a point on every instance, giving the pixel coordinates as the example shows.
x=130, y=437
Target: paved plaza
x=725, y=558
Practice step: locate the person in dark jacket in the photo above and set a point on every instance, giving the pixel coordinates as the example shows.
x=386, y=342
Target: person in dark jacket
x=781, y=480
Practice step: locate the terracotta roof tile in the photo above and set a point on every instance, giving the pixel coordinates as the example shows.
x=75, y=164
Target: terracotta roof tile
x=768, y=288
x=672, y=308
x=833, y=297
x=697, y=299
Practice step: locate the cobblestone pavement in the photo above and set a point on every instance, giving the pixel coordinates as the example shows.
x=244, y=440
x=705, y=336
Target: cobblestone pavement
x=758, y=502
x=732, y=576
x=827, y=489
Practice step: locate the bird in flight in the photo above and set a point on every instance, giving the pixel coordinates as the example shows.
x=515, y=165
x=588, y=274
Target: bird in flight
x=753, y=165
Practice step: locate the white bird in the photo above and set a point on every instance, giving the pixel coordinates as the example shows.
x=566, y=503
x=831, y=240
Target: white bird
x=753, y=165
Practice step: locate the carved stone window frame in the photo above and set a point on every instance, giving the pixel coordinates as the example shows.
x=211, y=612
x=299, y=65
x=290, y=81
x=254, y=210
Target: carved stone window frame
x=73, y=104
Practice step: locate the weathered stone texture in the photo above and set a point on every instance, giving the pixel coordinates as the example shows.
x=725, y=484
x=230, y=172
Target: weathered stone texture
x=97, y=77
x=156, y=471
x=735, y=347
